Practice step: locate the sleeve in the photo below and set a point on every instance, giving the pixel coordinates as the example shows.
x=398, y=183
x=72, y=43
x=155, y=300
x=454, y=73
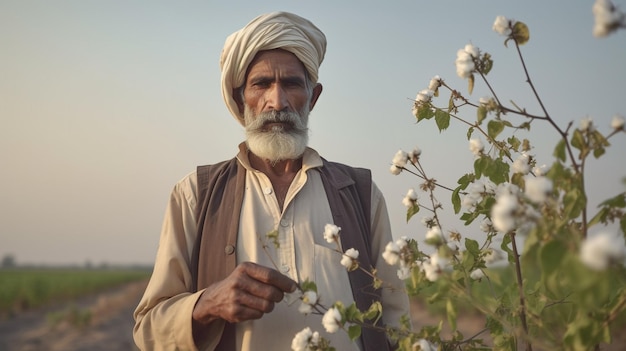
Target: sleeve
x=395, y=300
x=163, y=318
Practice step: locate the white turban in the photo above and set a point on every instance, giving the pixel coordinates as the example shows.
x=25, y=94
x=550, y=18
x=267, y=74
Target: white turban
x=277, y=30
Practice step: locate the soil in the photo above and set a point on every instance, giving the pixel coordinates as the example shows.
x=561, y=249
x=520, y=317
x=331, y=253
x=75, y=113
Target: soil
x=109, y=327
x=61, y=328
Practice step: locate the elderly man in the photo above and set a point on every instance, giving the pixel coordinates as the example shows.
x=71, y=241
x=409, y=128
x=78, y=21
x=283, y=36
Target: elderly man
x=218, y=282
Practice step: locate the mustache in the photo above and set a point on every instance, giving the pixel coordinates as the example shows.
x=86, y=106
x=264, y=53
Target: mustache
x=292, y=119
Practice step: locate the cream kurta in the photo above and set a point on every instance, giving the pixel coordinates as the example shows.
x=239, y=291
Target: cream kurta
x=164, y=313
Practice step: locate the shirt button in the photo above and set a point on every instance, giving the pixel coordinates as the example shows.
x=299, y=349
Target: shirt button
x=284, y=269
x=284, y=223
x=267, y=190
x=229, y=249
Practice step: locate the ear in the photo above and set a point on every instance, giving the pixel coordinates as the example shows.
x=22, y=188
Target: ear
x=237, y=96
x=317, y=91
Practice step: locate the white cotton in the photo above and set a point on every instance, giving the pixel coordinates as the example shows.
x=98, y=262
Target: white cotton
x=391, y=254
x=305, y=308
x=472, y=50
x=435, y=83
x=538, y=189
x=400, y=159
x=404, y=272
x=492, y=255
x=309, y=299
x=300, y=341
x=503, y=213
x=599, y=251
x=486, y=225
x=464, y=63
x=506, y=189
x=424, y=95
x=332, y=320
x=434, y=234
x=617, y=122
x=331, y=233
x=586, y=124
x=349, y=257
x=395, y=170
x=414, y=155
x=607, y=18
x=410, y=198
x=540, y=170
x=477, y=274
x=521, y=165
x=424, y=345
x=501, y=26
x=476, y=146
x=433, y=268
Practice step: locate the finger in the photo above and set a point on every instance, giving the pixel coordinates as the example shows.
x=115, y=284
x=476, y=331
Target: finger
x=250, y=285
x=270, y=276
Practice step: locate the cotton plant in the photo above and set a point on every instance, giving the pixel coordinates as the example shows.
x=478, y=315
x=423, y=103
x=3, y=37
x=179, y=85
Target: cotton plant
x=567, y=265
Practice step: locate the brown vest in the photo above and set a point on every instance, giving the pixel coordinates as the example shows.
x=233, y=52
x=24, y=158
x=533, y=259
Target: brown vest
x=220, y=195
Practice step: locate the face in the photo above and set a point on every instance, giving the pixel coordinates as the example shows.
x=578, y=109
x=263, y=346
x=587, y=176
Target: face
x=276, y=102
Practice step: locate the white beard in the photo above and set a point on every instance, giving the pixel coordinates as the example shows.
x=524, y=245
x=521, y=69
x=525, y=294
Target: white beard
x=280, y=142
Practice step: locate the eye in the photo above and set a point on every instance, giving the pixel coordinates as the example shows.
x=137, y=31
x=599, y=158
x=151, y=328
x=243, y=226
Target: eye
x=261, y=83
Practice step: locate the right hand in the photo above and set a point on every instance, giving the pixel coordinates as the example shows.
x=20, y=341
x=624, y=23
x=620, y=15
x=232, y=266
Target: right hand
x=247, y=293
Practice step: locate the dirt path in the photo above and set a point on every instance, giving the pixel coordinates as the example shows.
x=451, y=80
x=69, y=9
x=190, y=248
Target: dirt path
x=109, y=327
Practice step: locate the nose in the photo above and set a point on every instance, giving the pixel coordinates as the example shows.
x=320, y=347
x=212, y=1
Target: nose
x=276, y=98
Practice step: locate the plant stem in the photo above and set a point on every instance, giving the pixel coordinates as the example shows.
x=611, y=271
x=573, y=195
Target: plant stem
x=520, y=285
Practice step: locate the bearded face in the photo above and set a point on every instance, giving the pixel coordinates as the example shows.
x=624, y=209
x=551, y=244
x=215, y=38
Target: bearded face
x=277, y=135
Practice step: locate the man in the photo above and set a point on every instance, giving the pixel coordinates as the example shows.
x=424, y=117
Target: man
x=219, y=283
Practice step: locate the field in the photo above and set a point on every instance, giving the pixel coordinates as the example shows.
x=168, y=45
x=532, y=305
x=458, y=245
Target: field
x=24, y=289
x=81, y=310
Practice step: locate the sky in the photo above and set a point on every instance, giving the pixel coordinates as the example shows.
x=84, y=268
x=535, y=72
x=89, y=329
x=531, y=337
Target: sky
x=105, y=105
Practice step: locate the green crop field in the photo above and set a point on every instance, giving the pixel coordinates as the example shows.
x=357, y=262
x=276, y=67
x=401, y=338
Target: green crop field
x=22, y=289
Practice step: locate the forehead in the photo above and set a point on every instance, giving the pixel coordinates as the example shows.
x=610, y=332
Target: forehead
x=277, y=60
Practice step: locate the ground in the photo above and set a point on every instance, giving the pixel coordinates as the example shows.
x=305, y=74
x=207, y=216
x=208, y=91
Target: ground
x=111, y=323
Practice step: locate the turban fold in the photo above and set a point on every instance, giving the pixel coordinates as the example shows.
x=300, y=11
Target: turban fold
x=277, y=30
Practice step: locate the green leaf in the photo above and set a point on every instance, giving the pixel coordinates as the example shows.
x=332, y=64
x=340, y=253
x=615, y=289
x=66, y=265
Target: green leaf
x=496, y=170
x=412, y=211
x=518, y=179
x=578, y=140
x=617, y=201
x=425, y=112
x=308, y=285
x=442, y=118
x=472, y=247
x=470, y=131
x=374, y=312
x=354, y=332
x=456, y=200
x=520, y=33
x=465, y=180
x=470, y=84
x=598, y=151
x=481, y=114
x=514, y=142
x=494, y=128
x=551, y=257
x=559, y=150
x=573, y=202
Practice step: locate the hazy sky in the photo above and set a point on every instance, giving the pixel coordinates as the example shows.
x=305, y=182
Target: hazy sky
x=104, y=105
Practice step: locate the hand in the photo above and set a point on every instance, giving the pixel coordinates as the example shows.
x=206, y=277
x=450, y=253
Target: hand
x=247, y=293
